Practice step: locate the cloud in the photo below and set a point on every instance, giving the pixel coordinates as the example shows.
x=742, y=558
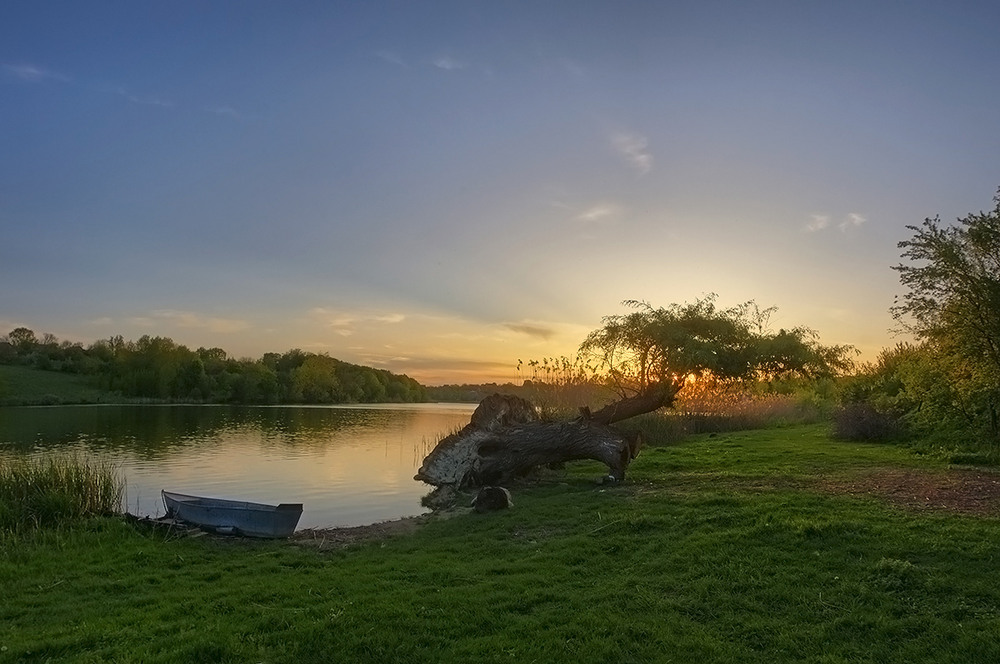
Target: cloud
x=392, y=58
x=193, y=320
x=632, y=148
x=817, y=222
x=345, y=323
x=145, y=101
x=600, y=212
x=853, y=220
x=531, y=329
x=225, y=111
x=27, y=72
x=447, y=63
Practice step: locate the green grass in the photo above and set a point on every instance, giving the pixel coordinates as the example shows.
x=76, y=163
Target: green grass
x=39, y=493
x=720, y=549
x=25, y=386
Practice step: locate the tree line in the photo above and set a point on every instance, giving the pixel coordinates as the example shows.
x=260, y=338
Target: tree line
x=158, y=368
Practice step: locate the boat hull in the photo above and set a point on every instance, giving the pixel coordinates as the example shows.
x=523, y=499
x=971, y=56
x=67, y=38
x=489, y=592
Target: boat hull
x=233, y=516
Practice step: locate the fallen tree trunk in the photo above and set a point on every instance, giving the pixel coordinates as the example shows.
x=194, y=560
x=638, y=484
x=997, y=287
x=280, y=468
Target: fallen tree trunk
x=505, y=439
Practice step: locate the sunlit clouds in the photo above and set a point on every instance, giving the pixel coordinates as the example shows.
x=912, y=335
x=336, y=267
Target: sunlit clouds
x=440, y=190
x=531, y=329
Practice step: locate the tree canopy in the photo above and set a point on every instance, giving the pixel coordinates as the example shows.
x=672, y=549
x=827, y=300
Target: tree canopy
x=952, y=304
x=672, y=344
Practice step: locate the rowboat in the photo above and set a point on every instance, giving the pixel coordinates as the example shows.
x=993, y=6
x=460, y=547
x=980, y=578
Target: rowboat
x=233, y=516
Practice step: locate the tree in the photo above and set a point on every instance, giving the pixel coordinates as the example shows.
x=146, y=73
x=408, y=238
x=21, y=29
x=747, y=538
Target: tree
x=952, y=300
x=648, y=356
x=23, y=339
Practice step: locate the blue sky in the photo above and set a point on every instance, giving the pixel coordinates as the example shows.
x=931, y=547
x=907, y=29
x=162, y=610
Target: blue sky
x=443, y=188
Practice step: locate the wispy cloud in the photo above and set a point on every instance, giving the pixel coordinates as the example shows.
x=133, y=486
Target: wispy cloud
x=345, y=323
x=145, y=101
x=28, y=72
x=447, y=63
x=185, y=319
x=194, y=320
x=531, y=329
x=633, y=149
x=392, y=58
x=853, y=220
x=600, y=212
x=224, y=111
x=817, y=222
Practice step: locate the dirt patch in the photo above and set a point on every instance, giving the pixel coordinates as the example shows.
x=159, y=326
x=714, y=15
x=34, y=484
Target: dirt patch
x=331, y=538
x=336, y=538
x=958, y=490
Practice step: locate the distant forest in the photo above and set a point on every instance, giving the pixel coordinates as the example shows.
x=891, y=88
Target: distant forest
x=157, y=368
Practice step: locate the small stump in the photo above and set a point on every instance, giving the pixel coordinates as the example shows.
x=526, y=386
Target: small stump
x=492, y=499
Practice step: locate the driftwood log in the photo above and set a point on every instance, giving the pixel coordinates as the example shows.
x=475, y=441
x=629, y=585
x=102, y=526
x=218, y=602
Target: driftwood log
x=505, y=439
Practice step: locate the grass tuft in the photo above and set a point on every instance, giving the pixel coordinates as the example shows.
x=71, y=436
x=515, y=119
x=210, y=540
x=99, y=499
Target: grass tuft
x=44, y=492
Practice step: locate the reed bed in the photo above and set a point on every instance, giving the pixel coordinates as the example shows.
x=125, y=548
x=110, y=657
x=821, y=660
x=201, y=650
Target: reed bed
x=37, y=493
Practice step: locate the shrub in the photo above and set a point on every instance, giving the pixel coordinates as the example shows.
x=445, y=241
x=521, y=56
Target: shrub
x=861, y=421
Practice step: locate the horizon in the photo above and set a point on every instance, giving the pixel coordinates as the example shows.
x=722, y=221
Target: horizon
x=444, y=189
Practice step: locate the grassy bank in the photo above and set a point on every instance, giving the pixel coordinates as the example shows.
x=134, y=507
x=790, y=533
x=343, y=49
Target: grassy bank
x=768, y=546
x=25, y=386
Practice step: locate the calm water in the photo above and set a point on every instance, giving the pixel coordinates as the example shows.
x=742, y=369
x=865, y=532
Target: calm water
x=348, y=465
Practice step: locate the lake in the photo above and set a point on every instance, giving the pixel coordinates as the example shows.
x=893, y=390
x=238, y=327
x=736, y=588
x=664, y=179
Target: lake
x=349, y=465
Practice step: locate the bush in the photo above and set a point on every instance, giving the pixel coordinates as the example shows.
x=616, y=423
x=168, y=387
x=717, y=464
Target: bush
x=861, y=421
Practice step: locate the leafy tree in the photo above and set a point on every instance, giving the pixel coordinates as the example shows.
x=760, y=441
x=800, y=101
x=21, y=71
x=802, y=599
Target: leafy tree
x=22, y=339
x=316, y=380
x=952, y=303
x=650, y=354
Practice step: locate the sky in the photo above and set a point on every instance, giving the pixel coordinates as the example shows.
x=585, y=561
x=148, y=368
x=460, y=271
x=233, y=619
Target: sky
x=442, y=189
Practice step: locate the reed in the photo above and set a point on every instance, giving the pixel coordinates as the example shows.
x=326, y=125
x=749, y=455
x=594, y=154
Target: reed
x=37, y=493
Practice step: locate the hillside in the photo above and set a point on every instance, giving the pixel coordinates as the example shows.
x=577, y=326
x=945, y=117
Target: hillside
x=22, y=386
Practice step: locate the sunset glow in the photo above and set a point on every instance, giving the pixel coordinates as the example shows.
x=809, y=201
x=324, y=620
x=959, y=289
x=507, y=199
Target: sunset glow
x=439, y=189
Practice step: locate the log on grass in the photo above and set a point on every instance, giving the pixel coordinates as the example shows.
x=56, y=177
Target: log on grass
x=505, y=439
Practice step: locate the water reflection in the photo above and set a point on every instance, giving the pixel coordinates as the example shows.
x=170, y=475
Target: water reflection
x=349, y=465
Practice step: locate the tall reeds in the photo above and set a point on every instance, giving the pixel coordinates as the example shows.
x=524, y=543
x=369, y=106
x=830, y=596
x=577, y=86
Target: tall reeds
x=42, y=492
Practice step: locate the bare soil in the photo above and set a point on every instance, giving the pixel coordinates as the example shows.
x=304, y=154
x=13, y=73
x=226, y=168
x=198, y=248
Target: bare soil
x=961, y=490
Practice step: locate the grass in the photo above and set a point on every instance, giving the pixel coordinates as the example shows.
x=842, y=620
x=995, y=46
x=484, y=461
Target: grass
x=724, y=548
x=38, y=493
x=26, y=386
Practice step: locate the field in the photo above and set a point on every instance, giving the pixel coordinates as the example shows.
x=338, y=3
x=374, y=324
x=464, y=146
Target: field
x=778, y=545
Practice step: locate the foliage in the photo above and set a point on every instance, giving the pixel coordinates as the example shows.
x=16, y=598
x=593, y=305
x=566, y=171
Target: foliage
x=733, y=548
x=952, y=304
x=37, y=493
x=681, y=342
x=947, y=385
x=157, y=368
